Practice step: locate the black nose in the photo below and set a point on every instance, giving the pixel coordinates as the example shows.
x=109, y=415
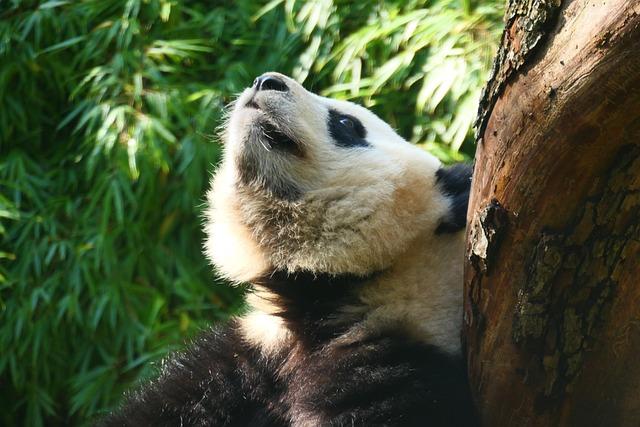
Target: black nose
x=270, y=82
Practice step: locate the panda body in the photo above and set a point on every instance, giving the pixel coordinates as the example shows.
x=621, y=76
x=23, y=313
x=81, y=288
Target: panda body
x=352, y=240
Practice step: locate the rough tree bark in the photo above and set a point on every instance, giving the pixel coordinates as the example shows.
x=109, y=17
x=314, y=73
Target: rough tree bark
x=552, y=280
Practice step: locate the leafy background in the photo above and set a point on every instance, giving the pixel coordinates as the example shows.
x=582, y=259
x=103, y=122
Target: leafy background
x=107, y=111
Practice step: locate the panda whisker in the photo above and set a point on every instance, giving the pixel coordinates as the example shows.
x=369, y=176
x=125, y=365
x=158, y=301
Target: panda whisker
x=265, y=144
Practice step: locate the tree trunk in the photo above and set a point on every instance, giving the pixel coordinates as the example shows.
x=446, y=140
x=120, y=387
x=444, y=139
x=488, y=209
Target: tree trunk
x=552, y=279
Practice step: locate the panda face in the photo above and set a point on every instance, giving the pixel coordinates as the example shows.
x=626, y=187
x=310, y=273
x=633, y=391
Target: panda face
x=316, y=184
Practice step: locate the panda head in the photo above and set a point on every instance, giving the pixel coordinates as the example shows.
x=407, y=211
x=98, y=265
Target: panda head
x=314, y=184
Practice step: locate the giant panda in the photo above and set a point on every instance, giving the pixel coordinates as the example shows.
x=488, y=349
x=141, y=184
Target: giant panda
x=352, y=240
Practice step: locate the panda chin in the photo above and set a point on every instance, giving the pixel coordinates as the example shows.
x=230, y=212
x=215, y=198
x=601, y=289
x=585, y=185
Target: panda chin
x=264, y=162
x=274, y=138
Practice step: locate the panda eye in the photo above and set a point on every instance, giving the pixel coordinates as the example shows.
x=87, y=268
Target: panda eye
x=347, y=122
x=346, y=130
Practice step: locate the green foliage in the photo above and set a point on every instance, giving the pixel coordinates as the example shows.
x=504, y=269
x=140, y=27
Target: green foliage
x=107, y=108
x=420, y=66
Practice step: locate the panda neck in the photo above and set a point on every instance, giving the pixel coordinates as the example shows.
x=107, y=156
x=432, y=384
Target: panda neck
x=312, y=307
x=420, y=295
x=422, y=292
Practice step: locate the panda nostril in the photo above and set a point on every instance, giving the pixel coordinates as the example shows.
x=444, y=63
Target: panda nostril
x=268, y=82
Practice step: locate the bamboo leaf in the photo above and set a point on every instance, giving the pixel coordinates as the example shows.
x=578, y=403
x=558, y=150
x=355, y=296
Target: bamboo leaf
x=63, y=45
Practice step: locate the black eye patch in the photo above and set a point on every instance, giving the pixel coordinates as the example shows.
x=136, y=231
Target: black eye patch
x=346, y=130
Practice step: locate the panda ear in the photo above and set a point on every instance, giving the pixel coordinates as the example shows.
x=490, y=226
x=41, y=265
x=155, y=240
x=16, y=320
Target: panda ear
x=455, y=183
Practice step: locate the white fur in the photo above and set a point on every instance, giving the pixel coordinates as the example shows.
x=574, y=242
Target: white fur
x=361, y=210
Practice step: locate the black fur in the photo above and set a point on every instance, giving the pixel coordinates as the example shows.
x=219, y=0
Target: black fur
x=455, y=182
x=218, y=381
x=345, y=135
x=380, y=378
x=310, y=303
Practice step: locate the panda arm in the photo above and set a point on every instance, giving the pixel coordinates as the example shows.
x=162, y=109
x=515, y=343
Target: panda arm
x=216, y=381
x=385, y=380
